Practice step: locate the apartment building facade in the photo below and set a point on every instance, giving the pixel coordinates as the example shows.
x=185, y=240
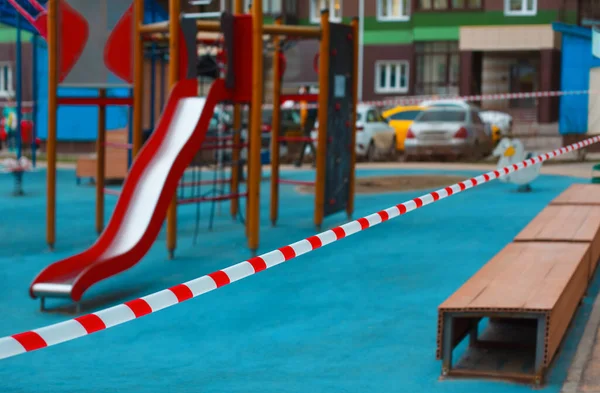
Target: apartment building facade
x=444, y=47
x=458, y=47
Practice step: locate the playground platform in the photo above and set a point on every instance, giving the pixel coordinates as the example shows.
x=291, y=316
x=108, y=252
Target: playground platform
x=355, y=316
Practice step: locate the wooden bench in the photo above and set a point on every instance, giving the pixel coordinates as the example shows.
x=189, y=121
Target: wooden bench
x=116, y=160
x=579, y=194
x=530, y=289
x=567, y=223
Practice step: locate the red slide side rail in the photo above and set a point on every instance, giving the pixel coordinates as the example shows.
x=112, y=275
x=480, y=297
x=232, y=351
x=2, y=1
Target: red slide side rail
x=85, y=269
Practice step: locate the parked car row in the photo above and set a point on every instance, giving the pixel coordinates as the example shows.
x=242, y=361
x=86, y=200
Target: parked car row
x=447, y=127
x=374, y=135
x=437, y=127
x=449, y=131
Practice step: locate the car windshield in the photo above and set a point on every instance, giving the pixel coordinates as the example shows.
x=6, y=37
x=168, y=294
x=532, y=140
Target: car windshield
x=406, y=115
x=443, y=116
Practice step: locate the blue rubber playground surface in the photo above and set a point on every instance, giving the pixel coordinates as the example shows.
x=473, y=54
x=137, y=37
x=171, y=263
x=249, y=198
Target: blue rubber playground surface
x=358, y=316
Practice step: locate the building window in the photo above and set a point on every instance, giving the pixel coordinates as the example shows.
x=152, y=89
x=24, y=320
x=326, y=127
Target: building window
x=438, y=68
x=452, y=5
x=391, y=76
x=520, y=7
x=270, y=7
x=6, y=81
x=334, y=6
x=392, y=10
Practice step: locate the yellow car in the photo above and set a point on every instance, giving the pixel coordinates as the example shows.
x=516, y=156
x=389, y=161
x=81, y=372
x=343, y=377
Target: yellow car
x=400, y=118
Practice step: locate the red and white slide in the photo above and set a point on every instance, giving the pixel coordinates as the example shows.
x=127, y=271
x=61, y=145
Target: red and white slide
x=144, y=200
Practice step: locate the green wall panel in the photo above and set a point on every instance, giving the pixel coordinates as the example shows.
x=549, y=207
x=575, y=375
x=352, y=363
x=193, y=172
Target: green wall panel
x=444, y=33
x=9, y=34
x=386, y=37
x=377, y=32
x=473, y=18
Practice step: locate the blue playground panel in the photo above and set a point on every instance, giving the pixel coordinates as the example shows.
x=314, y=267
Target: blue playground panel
x=359, y=315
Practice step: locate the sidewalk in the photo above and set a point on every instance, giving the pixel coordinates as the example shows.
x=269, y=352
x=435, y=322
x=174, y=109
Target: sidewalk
x=584, y=371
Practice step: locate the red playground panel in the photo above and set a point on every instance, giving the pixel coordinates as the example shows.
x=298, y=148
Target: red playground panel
x=72, y=35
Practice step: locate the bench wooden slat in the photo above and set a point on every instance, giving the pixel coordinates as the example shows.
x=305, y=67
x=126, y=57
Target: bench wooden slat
x=572, y=223
x=563, y=223
x=553, y=284
x=521, y=276
x=471, y=289
x=579, y=194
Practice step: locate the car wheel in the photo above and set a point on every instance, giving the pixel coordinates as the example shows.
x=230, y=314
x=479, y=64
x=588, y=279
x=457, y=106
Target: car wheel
x=371, y=152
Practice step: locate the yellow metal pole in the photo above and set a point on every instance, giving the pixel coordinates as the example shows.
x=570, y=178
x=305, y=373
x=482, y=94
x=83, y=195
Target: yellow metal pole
x=322, y=132
x=275, y=128
x=174, y=27
x=52, y=7
x=138, y=78
x=254, y=165
x=237, y=128
x=355, y=82
x=100, y=163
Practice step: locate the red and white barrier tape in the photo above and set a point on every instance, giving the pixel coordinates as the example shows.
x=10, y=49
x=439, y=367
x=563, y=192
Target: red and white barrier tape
x=414, y=100
x=91, y=323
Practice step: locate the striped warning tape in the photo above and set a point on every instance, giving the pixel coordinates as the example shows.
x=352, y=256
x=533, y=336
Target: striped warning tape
x=480, y=97
x=414, y=100
x=91, y=323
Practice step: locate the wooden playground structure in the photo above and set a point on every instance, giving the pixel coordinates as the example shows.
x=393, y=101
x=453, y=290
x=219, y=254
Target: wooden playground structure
x=166, y=33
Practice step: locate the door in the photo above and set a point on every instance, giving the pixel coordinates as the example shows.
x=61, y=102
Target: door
x=522, y=80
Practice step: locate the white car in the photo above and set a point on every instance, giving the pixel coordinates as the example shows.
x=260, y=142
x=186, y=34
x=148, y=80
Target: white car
x=502, y=120
x=373, y=134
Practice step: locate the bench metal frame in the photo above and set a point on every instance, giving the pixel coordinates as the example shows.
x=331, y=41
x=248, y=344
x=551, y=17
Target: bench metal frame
x=448, y=345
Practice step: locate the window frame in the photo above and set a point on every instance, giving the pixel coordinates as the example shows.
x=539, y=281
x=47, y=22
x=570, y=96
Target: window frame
x=523, y=11
x=6, y=70
x=420, y=85
x=391, y=90
x=332, y=17
x=269, y=4
x=401, y=18
x=450, y=7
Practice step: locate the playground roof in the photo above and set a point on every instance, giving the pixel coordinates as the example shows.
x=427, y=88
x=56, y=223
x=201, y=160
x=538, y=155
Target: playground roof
x=8, y=16
x=584, y=32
